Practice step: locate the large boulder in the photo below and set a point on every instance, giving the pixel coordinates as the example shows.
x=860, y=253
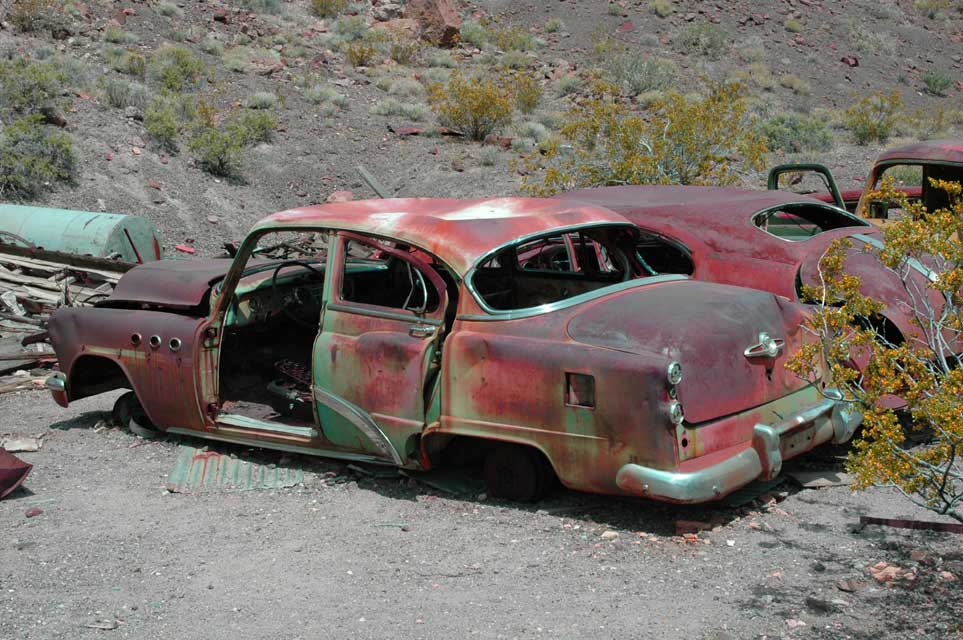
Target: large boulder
x=440, y=22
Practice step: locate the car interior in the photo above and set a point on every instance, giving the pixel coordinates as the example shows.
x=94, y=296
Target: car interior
x=801, y=221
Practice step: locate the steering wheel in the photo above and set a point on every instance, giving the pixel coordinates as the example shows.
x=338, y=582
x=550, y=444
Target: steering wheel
x=276, y=296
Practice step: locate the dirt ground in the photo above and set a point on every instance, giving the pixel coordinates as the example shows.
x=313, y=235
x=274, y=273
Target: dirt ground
x=350, y=556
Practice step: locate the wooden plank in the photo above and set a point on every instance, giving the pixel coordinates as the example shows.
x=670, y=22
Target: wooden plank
x=89, y=264
x=899, y=523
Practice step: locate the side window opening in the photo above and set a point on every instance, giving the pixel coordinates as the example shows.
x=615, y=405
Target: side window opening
x=797, y=222
x=658, y=255
x=376, y=277
x=553, y=268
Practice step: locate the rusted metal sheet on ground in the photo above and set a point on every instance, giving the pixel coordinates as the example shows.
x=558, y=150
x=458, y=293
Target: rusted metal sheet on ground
x=13, y=471
x=201, y=470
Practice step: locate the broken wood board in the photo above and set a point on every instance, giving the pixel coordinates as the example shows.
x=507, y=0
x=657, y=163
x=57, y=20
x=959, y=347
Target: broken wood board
x=21, y=442
x=201, y=470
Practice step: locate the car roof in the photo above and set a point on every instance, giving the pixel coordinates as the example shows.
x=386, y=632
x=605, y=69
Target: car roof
x=459, y=232
x=722, y=207
x=927, y=151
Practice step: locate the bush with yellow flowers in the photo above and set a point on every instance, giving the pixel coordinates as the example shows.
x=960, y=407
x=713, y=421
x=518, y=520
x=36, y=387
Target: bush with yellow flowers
x=475, y=106
x=924, y=370
x=679, y=140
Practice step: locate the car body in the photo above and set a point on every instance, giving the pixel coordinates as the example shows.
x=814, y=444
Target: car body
x=429, y=330
x=719, y=237
x=912, y=166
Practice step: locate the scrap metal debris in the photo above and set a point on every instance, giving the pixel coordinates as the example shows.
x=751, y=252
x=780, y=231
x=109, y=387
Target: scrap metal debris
x=13, y=471
x=18, y=442
x=900, y=523
x=200, y=470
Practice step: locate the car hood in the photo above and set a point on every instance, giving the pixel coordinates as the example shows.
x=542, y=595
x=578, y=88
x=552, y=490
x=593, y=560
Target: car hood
x=707, y=328
x=178, y=284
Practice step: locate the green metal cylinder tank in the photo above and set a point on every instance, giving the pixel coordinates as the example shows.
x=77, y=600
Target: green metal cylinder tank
x=104, y=235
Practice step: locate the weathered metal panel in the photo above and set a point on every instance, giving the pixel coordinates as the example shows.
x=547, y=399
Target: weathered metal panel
x=928, y=151
x=13, y=471
x=200, y=470
x=132, y=238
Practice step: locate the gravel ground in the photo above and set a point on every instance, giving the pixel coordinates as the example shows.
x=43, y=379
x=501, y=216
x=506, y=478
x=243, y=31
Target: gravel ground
x=373, y=558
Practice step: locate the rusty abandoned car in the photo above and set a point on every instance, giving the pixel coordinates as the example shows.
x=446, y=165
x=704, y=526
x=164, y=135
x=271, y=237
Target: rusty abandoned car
x=768, y=240
x=414, y=332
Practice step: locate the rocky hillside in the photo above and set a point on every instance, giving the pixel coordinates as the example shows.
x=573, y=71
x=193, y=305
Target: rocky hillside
x=206, y=115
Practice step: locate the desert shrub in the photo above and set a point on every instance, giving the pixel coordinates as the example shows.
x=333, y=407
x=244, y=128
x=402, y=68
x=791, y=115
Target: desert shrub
x=262, y=100
x=32, y=156
x=167, y=9
x=794, y=133
x=567, y=85
x=116, y=35
x=264, y=6
x=636, y=72
x=937, y=82
x=402, y=49
x=441, y=59
x=923, y=369
x=406, y=87
x=793, y=26
x=710, y=140
x=351, y=27
x=476, y=106
x=328, y=8
x=392, y=107
x=37, y=15
x=489, y=156
x=176, y=68
x=212, y=47
x=931, y=8
x=472, y=33
x=798, y=86
x=321, y=94
x=873, y=118
x=28, y=86
x=752, y=49
x=359, y=54
x=122, y=93
x=532, y=130
x=128, y=62
x=161, y=124
x=613, y=9
x=511, y=39
x=706, y=39
x=554, y=25
x=528, y=92
x=217, y=152
x=662, y=8
x=253, y=127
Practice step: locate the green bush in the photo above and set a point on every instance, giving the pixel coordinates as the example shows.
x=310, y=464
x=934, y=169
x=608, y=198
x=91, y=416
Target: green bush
x=392, y=107
x=129, y=62
x=351, y=27
x=637, y=73
x=472, y=33
x=167, y=9
x=328, y=8
x=794, y=133
x=32, y=156
x=873, y=118
x=176, y=68
x=707, y=39
x=217, y=152
x=262, y=6
x=662, y=8
x=212, y=47
x=528, y=92
x=37, y=15
x=937, y=82
x=116, y=35
x=161, y=124
x=253, y=127
x=476, y=106
x=29, y=87
x=122, y=93
x=359, y=54
x=553, y=25
x=263, y=100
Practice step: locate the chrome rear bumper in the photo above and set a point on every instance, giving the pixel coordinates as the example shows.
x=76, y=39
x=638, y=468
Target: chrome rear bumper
x=830, y=420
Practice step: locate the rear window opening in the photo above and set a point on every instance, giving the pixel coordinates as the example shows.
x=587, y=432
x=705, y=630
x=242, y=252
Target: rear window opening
x=797, y=222
x=659, y=255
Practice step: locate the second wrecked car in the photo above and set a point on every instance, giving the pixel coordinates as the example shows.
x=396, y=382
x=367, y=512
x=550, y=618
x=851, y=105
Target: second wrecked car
x=419, y=331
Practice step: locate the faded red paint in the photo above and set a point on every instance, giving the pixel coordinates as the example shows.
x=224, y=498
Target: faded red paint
x=501, y=378
x=13, y=471
x=933, y=151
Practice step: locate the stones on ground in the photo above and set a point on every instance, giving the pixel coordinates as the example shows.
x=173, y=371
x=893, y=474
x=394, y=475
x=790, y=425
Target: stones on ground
x=439, y=20
x=609, y=535
x=33, y=512
x=850, y=585
x=387, y=10
x=340, y=196
x=683, y=527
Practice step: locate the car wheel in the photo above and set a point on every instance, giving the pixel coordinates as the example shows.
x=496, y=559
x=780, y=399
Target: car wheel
x=515, y=473
x=129, y=414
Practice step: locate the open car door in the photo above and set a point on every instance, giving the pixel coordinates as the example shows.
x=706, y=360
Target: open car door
x=377, y=351
x=787, y=176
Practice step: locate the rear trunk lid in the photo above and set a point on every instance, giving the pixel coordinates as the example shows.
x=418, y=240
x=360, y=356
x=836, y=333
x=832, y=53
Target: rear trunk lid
x=707, y=328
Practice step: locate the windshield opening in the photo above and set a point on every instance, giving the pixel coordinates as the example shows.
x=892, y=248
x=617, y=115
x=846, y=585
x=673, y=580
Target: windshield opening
x=798, y=222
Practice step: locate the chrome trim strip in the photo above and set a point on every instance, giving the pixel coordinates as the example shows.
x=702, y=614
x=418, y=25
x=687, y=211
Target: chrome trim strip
x=703, y=485
x=245, y=422
x=360, y=419
x=516, y=314
x=913, y=263
x=386, y=315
